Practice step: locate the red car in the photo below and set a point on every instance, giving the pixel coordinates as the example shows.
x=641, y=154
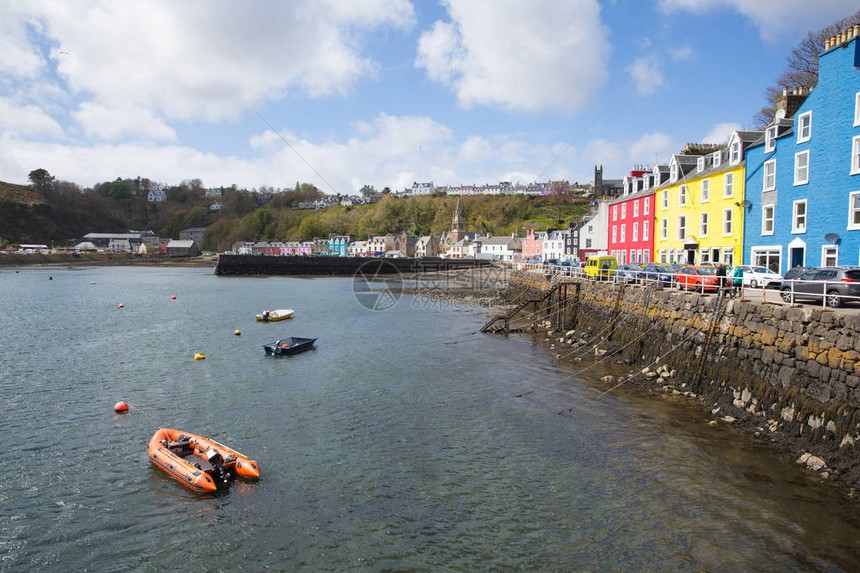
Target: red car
x=700, y=279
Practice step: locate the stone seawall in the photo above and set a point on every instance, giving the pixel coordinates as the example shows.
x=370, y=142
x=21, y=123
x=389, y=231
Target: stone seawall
x=789, y=375
x=259, y=265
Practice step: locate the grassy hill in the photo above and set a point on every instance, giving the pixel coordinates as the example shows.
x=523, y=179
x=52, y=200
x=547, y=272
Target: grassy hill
x=63, y=213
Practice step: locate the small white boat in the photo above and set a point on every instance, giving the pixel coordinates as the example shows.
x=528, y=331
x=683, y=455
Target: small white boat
x=275, y=315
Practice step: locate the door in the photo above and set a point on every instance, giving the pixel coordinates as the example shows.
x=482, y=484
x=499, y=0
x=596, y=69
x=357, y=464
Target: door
x=796, y=256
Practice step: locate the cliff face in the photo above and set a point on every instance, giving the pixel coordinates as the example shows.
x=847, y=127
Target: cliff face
x=790, y=375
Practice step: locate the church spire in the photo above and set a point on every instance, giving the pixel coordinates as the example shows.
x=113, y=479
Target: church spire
x=458, y=224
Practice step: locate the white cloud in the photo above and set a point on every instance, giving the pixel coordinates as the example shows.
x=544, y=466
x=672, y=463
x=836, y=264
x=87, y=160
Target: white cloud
x=721, y=133
x=26, y=120
x=191, y=60
x=519, y=55
x=114, y=122
x=773, y=18
x=652, y=148
x=681, y=54
x=647, y=74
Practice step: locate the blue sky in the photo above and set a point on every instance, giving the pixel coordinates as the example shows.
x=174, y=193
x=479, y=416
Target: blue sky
x=381, y=92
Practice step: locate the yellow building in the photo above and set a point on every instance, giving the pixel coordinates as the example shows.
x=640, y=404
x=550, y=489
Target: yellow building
x=699, y=211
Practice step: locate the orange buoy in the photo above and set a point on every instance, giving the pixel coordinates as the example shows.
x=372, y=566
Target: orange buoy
x=120, y=305
x=173, y=297
x=238, y=333
x=120, y=407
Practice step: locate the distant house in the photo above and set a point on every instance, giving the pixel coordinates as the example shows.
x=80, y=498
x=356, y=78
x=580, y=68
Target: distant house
x=338, y=244
x=357, y=249
x=156, y=196
x=421, y=188
x=214, y=192
x=427, y=246
x=181, y=248
x=216, y=206
x=533, y=245
x=502, y=248
x=196, y=234
x=377, y=246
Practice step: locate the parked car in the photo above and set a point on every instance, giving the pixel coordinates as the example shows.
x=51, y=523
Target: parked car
x=837, y=284
x=627, y=273
x=755, y=276
x=698, y=278
x=661, y=273
x=600, y=267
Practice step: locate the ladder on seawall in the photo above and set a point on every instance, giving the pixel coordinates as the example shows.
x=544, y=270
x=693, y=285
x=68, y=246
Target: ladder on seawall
x=559, y=288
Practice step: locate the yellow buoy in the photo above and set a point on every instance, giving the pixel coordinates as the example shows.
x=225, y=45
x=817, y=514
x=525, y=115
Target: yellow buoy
x=199, y=356
x=238, y=333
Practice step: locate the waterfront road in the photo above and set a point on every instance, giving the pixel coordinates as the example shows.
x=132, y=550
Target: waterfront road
x=773, y=296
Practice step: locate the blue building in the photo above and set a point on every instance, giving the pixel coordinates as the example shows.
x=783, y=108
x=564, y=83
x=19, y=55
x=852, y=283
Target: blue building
x=803, y=177
x=338, y=244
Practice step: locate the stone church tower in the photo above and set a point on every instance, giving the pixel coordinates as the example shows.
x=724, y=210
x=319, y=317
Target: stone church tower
x=458, y=225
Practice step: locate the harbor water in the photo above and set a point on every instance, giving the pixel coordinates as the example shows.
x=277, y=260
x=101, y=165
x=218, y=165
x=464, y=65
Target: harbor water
x=404, y=441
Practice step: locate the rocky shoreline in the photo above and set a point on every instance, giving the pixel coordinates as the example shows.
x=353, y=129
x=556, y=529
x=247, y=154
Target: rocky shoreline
x=101, y=259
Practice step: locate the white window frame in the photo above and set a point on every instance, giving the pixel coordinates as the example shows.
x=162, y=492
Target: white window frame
x=664, y=229
x=706, y=190
x=855, y=155
x=615, y=212
x=804, y=123
x=857, y=109
x=664, y=200
x=768, y=213
x=769, y=166
x=635, y=231
x=717, y=158
x=673, y=172
x=853, y=212
x=682, y=196
x=735, y=153
x=826, y=251
x=645, y=226
x=646, y=254
x=614, y=233
x=795, y=228
x=770, y=139
x=700, y=164
x=636, y=208
x=682, y=227
x=801, y=178
x=703, y=224
x=623, y=211
x=728, y=222
x=728, y=185
x=646, y=206
x=623, y=233
x=662, y=255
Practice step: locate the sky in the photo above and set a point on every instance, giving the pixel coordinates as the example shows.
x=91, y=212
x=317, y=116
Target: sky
x=347, y=93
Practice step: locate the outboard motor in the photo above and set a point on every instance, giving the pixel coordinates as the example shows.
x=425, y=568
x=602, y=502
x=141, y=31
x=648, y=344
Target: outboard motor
x=222, y=476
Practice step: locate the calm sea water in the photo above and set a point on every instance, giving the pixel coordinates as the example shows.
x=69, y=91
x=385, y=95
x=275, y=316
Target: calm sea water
x=398, y=444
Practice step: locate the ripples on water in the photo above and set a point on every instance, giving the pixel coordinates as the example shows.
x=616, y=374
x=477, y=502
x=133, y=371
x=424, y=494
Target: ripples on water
x=399, y=443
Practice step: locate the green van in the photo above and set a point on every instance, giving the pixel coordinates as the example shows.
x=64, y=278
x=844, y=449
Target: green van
x=600, y=268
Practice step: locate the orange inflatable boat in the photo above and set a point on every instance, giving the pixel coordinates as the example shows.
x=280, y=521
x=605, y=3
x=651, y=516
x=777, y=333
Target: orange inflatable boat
x=199, y=463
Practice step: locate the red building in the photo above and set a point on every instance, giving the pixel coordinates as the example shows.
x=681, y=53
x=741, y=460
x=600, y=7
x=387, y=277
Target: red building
x=631, y=220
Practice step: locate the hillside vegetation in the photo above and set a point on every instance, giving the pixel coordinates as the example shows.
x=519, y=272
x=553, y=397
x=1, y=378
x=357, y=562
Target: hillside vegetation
x=62, y=213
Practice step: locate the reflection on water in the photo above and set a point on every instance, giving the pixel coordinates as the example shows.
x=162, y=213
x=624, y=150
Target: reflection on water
x=403, y=441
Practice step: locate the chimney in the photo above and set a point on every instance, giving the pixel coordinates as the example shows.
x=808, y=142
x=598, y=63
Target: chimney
x=790, y=102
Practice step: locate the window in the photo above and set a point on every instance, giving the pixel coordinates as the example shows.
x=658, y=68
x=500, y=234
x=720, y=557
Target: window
x=624, y=210
x=717, y=158
x=829, y=255
x=636, y=208
x=804, y=127
x=770, y=175
x=665, y=198
x=615, y=212
x=801, y=168
x=664, y=228
x=729, y=188
x=700, y=164
x=727, y=222
x=767, y=220
x=614, y=233
x=770, y=139
x=854, y=211
x=857, y=109
x=646, y=206
x=682, y=227
x=635, y=231
x=798, y=217
x=646, y=255
x=735, y=153
x=706, y=190
x=644, y=230
x=703, y=225
x=682, y=196
x=855, y=156
x=662, y=255
x=673, y=172
x=623, y=233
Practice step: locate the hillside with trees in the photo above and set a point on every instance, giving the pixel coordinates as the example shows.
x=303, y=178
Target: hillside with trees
x=60, y=212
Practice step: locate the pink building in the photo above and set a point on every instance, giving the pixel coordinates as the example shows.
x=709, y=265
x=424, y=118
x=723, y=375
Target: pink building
x=533, y=245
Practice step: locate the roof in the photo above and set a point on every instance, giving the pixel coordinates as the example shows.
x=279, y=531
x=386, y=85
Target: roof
x=176, y=244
